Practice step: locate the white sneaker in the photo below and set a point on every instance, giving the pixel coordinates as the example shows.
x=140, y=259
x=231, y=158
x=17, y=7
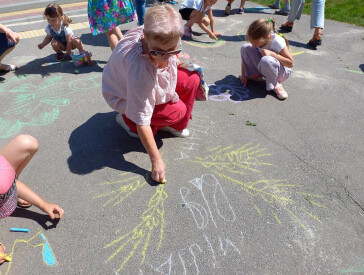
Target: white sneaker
x=281, y=93
x=184, y=133
x=121, y=122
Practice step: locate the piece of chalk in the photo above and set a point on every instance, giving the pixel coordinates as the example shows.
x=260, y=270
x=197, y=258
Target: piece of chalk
x=15, y=229
x=77, y=71
x=163, y=181
x=7, y=258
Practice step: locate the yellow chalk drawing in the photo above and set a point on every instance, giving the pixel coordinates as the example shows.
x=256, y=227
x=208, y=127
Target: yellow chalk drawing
x=276, y=217
x=258, y=210
x=152, y=219
x=228, y=163
x=296, y=218
x=34, y=242
x=137, y=240
x=124, y=191
x=235, y=161
x=312, y=215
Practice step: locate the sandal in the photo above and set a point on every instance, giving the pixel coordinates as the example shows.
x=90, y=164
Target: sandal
x=286, y=27
x=8, y=67
x=23, y=203
x=59, y=57
x=315, y=41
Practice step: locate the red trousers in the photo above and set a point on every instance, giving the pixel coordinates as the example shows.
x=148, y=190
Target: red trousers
x=176, y=115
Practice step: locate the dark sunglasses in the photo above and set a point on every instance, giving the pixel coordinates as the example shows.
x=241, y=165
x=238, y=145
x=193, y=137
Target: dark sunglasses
x=161, y=53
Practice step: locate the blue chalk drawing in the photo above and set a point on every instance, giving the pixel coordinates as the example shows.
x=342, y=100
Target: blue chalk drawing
x=47, y=253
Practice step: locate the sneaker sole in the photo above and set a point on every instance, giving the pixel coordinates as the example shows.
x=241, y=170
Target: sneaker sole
x=121, y=122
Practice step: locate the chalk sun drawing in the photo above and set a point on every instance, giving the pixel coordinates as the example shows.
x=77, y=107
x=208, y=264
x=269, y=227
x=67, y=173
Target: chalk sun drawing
x=34, y=242
x=136, y=241
x=228, y=163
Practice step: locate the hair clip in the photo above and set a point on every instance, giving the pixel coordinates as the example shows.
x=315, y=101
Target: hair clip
x=269, y=20
x=280, y=34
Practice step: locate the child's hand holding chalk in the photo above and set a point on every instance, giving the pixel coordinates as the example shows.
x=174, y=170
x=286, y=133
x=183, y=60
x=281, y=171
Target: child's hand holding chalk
x=53, y=210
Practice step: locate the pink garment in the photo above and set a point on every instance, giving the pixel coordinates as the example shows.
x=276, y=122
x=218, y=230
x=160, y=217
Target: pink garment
x=132, y=84
x=8, y=192
x=177, y=115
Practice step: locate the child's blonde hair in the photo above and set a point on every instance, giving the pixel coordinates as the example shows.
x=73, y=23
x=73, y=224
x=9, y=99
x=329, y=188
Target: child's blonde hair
x=162, y=23
x=261, y=28
x=54, y=10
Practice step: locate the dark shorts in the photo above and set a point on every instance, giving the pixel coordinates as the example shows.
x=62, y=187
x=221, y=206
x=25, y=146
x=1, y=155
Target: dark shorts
x=186, y=13
x=5, y=44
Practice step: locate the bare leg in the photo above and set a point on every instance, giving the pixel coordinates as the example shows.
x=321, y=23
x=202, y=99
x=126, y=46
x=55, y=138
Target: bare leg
x=2, y=251
x=206, y=21
x=228, y=7
x=242, y=3
x=77, y=44
x=113, y=37
x=195, y=17
x=19, y=151
x=4, y=66
x=57, y=46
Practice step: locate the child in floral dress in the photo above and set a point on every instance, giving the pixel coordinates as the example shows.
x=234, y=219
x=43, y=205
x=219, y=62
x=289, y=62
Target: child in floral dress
x=106, y=15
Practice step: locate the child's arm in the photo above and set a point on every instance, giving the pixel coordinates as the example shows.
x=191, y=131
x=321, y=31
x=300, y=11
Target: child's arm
x=25, y=193
x=243, y=78
x=212, y=22
x=69, y=43
x=45, y=42
x=284, y=57
x=205, y=29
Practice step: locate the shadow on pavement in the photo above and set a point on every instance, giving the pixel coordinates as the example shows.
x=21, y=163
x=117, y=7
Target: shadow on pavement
x=95, y=40
x=42, y=219
x=361, y=66
x=230, y=89
x=99, y=40
x=47, y=65
x=100, y=142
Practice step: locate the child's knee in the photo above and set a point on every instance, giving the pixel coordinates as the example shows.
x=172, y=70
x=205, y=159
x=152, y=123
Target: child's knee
x=56, y=44
x=206, y=21
x=268, y=61
x=246, y=49
x=28, y=143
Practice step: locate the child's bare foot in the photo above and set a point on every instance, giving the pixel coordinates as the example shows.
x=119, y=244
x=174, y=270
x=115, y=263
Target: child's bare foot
x=23, y=203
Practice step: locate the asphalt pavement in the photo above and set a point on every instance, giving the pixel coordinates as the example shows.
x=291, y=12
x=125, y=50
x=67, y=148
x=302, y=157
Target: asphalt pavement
x=280, y=195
